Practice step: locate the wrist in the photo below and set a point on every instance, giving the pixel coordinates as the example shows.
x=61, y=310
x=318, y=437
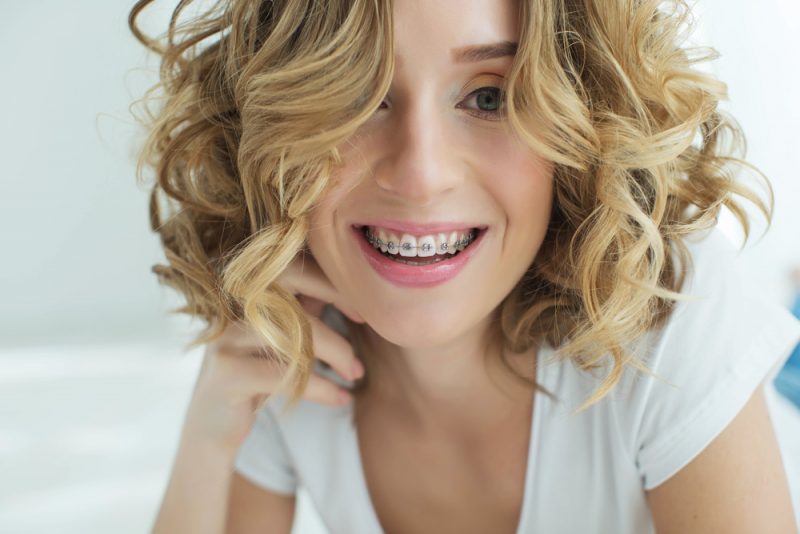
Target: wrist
x=207, y=449
x=215, y=426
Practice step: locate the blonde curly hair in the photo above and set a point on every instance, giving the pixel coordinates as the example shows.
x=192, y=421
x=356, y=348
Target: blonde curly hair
x=254, y=97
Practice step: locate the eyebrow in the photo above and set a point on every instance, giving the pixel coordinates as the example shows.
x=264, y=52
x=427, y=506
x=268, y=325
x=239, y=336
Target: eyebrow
x=474, y=53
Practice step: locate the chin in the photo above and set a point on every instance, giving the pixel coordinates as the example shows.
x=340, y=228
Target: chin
x=420, y=330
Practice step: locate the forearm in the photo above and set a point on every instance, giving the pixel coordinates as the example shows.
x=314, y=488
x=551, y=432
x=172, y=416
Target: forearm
x=196, y=498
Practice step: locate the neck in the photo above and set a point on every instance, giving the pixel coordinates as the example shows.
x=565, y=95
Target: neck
x=448, y=389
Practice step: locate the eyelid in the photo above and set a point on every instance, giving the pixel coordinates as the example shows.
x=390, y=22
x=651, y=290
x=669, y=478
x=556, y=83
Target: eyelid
x=485, y=80
x=493, y=115
x=475, y=85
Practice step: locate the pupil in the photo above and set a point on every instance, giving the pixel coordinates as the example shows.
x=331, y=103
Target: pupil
x=492, y=99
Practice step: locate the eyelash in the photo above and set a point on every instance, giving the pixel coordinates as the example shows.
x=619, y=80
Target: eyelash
x=490, y=115
x=484, y=114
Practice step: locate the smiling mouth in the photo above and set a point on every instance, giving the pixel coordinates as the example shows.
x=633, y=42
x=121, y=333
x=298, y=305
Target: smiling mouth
x=406, y=252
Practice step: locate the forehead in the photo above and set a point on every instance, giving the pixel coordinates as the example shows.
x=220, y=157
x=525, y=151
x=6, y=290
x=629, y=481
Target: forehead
x=427, y=31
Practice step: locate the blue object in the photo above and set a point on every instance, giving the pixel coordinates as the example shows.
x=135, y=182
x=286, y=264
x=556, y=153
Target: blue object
x=788, y=380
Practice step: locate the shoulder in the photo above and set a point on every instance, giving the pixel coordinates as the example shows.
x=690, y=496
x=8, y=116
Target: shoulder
x=284, y=444
x=724, y=325
x=707, y=360
x=307, y=420
x=741, y=465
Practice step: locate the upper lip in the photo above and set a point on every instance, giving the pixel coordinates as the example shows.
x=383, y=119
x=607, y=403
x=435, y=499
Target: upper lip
x=421, y=228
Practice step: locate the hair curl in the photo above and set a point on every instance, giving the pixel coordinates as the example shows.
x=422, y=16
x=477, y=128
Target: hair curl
x=254, y=96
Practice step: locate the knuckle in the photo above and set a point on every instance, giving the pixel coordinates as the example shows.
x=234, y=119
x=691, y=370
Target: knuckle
x=322, y=390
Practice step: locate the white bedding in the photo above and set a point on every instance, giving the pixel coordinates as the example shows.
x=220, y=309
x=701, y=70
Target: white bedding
x=88, y=435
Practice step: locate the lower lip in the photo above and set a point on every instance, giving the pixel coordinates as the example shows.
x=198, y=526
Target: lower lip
x=404, y=275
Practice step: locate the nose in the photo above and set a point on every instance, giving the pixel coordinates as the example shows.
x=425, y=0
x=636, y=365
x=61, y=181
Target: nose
x=422, y=163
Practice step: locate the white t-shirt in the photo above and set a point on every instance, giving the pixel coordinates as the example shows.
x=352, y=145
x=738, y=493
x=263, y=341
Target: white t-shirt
x=585, y=472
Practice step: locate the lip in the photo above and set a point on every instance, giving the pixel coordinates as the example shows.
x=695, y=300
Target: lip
x=421, y=229
x=418, y=276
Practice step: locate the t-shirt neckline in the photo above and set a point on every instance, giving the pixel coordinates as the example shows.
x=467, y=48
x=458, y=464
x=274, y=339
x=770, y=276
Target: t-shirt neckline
x=354, y=449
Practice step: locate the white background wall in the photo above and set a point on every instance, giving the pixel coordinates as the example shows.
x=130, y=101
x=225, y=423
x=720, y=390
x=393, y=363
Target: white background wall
x=89, y=410
x=75, y=241
x=76, y=245
x=761, y=64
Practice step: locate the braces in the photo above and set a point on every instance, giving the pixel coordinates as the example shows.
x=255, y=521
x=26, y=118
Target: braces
x=426, y=247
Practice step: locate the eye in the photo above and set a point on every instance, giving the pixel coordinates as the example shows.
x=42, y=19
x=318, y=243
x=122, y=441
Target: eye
x=490, y=102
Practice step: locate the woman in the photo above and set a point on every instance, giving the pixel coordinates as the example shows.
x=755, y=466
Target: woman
x=492, y=222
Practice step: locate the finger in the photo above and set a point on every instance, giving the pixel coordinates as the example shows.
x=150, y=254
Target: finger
x=312, y=305
x=305, y=276
x=324, y=391
x=333, y=349
x=242, y=335
x=329, y=346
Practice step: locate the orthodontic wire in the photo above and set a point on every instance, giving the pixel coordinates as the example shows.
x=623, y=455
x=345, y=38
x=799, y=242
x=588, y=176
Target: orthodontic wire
x=408, y=246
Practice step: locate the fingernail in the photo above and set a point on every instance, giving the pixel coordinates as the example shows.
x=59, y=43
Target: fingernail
x=357, y=369
x=344, y=396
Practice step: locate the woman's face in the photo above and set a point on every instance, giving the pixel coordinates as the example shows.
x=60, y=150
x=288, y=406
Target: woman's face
x=437, y=151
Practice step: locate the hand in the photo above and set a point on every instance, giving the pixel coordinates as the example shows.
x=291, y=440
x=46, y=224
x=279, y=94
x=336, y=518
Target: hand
x=238, y=374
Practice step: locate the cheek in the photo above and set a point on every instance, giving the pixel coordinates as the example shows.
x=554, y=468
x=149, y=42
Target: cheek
x=522, y=184
x=328, y=230
x=322, y=225
x=344, y=178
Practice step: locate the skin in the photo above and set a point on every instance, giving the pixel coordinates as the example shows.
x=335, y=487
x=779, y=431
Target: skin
x=437, y=150
x=737, y=484
x=455, y=433
x=427, y=156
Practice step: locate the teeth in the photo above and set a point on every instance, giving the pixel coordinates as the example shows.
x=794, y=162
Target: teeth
x=383, y=240
x=392, y=243
x=442, y=244
x=426, y=246
x=408, y=245
x=452, y=247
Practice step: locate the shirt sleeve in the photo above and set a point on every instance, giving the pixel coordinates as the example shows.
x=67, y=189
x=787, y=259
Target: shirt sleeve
x=263, y=457
x=711, y=356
